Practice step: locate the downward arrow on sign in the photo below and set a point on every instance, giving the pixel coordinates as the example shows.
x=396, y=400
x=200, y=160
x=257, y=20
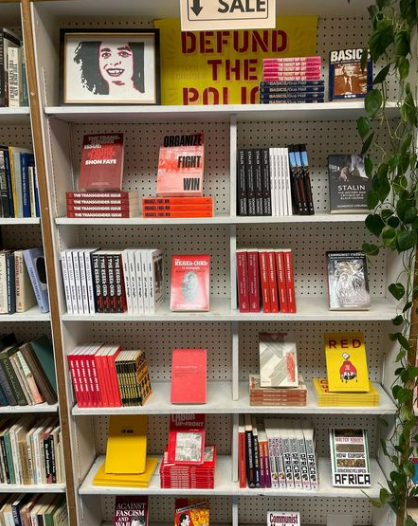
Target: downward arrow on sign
x=196, y=8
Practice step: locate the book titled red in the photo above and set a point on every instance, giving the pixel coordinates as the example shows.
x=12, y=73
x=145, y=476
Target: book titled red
x=290, y=280
x=271, y=262
x=264, y=278
x=253, y=281
x=186, y=439
x=189, y=376
x=102, y=162
x=242, y=277
x=281, y=281
x=190, y=277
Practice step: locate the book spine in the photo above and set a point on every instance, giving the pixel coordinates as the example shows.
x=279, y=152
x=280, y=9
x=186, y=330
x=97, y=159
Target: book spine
x=242, y=275
x=104, y=280
x=313, y=473
x=272, y=462
x=280, y=462
x=265, y=181
x=265, y=293
x=296, y=462
x=99, y=203
x=242, y=199
x=287, y=461
x=250, y=459
x=83, y=281
x=24, y=99
x=97, y=282
x=52, y=457
x=242, y=463
x=102, y=208
x=139, y=282
x=177, y=208
x=24, y=167
x=3, y=74
x=74, y=377
x=11, y=283
x=95, y=380
x=253, y=281
x=77, y=280
x=4, y=308
x=281, y=282
x=271, y=265
x=127, y=282
x=307, y=179
x=121, y=304
x=90, y=282
x=290, y=281
x=37, y=203
x=258, y=177
x=256, y=458
x=267, y=465
x=13, y=381
x=13, y=76
x=71, y=281
x=250, y=180
x=112, y=287
x=6, y=386
x=9, y=186
x=3, y=185
x=304, y=471
x=85, y=215
x=32, y=202
x=195, y=213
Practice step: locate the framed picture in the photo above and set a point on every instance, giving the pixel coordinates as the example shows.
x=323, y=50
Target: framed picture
x=110, y=66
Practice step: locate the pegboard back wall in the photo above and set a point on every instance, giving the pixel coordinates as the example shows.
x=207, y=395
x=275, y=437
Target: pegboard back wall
x=16, y=135
x=16, y=237
x=309, y=338
x=158, y=344
x=27, y=331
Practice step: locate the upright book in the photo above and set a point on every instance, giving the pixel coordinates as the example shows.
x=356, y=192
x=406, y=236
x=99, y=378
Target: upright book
x=186, y=439
x=347, y=79
x=190, y=276
x=350, y=459
x=188, y=376
x=348, y=184
x=131, y=511
x=278, y=361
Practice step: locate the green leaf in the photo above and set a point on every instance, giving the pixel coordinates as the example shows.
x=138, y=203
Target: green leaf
x=367, y=143
x=404, y=395
x=409, y=521
x=381, y=76
x=381, y=38
x=403, y=341
x=363, y=126
x=370, y=250
x=386, y=213
x=402, y=44
x=384, y=496
x=409, y=215
x=407, y=306
x=398, y=320
x=411, y=112
x=403, y=68
x=372, y=199
x=406, y=142
x=373, y=102
x=389, y=237
x=368, y=166
x=375, y=224
x=406, y=240
x=384, y=446
x=397, y=290
x=393, y=222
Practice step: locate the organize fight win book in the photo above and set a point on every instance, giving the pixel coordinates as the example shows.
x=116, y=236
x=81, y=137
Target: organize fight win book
x=347, y=79
x=190, y=276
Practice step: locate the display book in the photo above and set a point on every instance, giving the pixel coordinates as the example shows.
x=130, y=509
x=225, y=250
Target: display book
x=277, y=453
x=126, y=463
x=348, y=281
x=192, y=512
x=350, y=461
x=189, y=376
x=265, y=277
x=188, y=462
x=33, y=508
x=19, y=192
x=292, y=80
x=190, y=282
x=274, y=182
x=348, y=184
x=109, y=376
x=347, y=383
x=347, y=78
x=13, y=81
x=131, y=511
x=112, y=281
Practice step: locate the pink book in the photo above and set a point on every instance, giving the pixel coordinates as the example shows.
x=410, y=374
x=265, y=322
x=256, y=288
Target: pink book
x=188, y=376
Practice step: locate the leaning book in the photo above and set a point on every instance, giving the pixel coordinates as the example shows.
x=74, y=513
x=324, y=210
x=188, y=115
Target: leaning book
x=350, y=459
x=348, y=184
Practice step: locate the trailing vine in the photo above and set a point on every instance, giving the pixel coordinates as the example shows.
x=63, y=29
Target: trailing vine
x=393, y=170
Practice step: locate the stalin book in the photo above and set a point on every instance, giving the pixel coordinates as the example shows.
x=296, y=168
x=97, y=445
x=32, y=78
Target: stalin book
x=348, y=184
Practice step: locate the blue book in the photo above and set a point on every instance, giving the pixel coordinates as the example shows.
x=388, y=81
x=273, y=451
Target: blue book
x=3, y=398
x=34, y=174
x=35, y=264
x=9, y=184
x=26, y=160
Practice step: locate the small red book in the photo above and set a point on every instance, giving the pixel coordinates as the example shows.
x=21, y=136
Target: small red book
x=281, y=279
x=290, y=280
x=102, y=162
x=188, y=376
x=190, y=277
x=253, y=280
x=186, y=439
x=271, y=263
x=264, y=277
x=242, y=276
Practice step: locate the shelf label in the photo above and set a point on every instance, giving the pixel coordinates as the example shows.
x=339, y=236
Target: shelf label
x=210, y=15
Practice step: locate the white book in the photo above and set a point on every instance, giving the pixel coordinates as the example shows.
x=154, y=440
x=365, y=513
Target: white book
x=15, y=452
x=25, y=296
x=280, y=180
x=277, y=183
x=29, y=450
x=66, y=281
x=308, y=435
x=4, y=305
x=127, y=282
x=272, y=183
x=77, y=278
x=139, y=281
x=145, y=282
x=288, y=183
x=83, y=281
x=133, y=285
x=71, y=280
x=90, y=279
x=14, y=60
x=294, y=449
x=287, y=455
x=278, y=361
x=271, y=443
x=156, y=279
x=304, y=471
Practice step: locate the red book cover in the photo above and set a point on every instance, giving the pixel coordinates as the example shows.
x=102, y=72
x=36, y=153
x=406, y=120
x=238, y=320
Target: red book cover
x=113, y=215
x=186, y=439
x=242, y=275
x=179, y=214
x=190, y=277
x=189, y=201
x=100, y=380
x=177, y=208
x=271, y=262
x=131, y=511
x=103, y=208
x=110, y=194
x=102, y=162
x=72, y=367
x=113, y=381
x=281, y=281
x=290, y=280
x=189, y=376
x=242, y=466
x=264, y=278
x=253, y=281
x=191, y=512
x=180, y=166
x=81, y=357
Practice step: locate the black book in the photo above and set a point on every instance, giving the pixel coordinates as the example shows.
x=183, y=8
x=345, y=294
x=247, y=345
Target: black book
x=258, y=169
x=348, y=184
x=297, y=194
x=300, y=181
x=256, y=452
x=249, y=453
x=250, y=180
x=6, y=340
x=242, y=205
x=266, y=181
x=306, y=177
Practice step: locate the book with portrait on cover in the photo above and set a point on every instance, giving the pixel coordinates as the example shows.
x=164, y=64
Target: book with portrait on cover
x=131, y=511
x=190, y=277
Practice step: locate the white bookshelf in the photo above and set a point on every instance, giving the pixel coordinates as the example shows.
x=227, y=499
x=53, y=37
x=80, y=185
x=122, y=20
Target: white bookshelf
x=19, y=410
x=31, y=315
x=14, y=116
x=32, y=488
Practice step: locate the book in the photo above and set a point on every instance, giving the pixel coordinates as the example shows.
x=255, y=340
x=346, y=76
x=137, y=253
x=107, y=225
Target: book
x=186, y=439
x=328, y=399
x=348, y=281
x=189, y=376
x=7, y=39
x=131, y=511
x=283, y=518
x=191, y=512
x=348, y=184
x=190, y=276
x=133, y=379
x=347, y=80
x=25, y=296
x=200, y=476
x=243, y=281
x=14, y=59
x=181, y=166
x=35, y=264
x=278, y=361
x=346, y=360
x=102, y=162
x=350, y=460
x=276, y=396
x=126, y=480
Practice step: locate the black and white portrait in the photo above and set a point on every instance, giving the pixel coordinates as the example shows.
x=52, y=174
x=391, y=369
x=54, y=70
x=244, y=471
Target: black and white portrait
x=110, y=67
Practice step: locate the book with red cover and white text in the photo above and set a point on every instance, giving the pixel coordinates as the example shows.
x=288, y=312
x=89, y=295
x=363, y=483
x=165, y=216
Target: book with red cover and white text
x=186, y=439
x=188, y=376
x=131, y=511
x=190, y=276
x=102, y=162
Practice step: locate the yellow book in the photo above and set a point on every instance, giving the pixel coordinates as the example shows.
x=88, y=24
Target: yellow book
x=126, y=480
x=127, y=445
x=346, y=362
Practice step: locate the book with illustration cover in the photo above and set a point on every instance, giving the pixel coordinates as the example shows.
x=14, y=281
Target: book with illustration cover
x=348, y=184
x=350, y=459
x=278, y=361
x=191, y=512
x=190, y=276
x=186, y=439
x=131, y=511
x=347, y=79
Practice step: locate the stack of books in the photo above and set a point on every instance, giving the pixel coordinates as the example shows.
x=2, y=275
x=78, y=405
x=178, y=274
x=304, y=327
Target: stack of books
x=201, y=476
x=107, y=376
x=275, y=396
x=266, y=278
x=287, y=80
x=180, y=180
x=114, y=204
x=13, y=81
x=34, y=509
x=327, y=399
x=274, y=182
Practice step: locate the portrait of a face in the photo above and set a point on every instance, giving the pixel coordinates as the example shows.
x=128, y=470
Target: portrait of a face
x=190, y=287
x=184, y=520
x=116, y=63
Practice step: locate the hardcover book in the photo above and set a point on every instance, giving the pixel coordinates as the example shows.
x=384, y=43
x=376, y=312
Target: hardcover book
x=181, y=166
x=190, y=277
x=346, y=362
x=186, y=439
x=188, y=376
x=348, y=184
x=283, y=518
x=347, y=79
x=278, y=361
x=350, y=457
x=348, y=282
x=102, y=162
x=191, y=512
x=131, y=511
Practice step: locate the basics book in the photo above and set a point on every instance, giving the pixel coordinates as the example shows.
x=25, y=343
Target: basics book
x=278, y=361
x=346, y=362
x=347, y=79
x=190, y=277
x=188, y=376
x=348, y=184
x=102, y=162
x=350, y=459
x=131, y=511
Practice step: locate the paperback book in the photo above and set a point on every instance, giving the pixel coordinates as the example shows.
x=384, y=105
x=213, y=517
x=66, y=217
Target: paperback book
x=186, y=439
x=188, y=376
x=347, y=79
x=278, y=361
x=350, y=460
x=191, y=512
x=190, y=276
x=348, y=184
x=131, y=511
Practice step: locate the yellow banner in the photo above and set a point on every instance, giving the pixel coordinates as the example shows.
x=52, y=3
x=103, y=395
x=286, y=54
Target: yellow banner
x=225, y=67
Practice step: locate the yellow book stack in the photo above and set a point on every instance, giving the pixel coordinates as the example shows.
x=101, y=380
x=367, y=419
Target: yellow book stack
x=327, y=399
x=126, y=464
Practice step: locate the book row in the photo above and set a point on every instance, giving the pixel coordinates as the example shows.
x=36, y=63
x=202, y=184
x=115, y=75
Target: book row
x=31, y=451
x=266, y=278
x=19, y=192
x=13, y=82
x=274, y=182
x=22, y=281
x=33, y=510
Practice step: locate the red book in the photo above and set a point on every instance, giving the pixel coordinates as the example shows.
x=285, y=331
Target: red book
x=271, y=262
x=253, y=281
x=291, y=76
x=189, y=376
x=102, y=162
x=290, y=280
x=286, y=60
x=265, y=288
x=112, y=215
x=190, y=277
x=72, y=366
x=189, y=201
x=98, y=363
x=242, y=465
x=186, y=439
x=281, y=281
x=177, y=208
x=203, y=213
x=111, y=194
x=131, y=511
x=242, y=275
x=113, y=381
x=103, y=208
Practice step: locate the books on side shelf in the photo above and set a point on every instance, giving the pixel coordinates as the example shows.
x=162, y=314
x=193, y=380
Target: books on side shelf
x=30, y=509
x=13, y=81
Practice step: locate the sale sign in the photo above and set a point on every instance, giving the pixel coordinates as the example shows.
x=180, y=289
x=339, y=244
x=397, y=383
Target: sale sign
x=225, y=67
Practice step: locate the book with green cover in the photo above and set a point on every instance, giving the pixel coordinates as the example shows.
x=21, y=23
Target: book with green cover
x=43, y=349
x=11, y=375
